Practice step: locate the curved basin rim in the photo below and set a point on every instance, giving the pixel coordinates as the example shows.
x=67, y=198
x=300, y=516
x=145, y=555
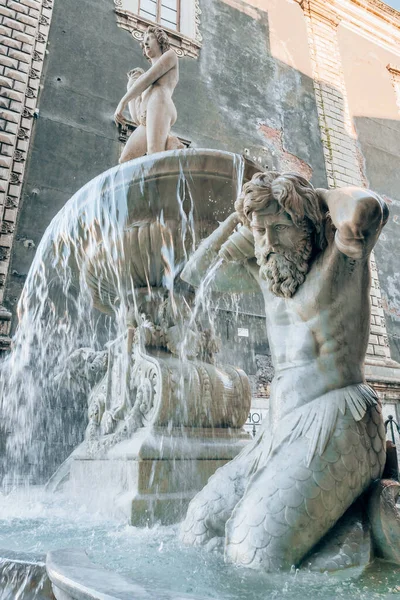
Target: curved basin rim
x=73, y=572
x=149, y=161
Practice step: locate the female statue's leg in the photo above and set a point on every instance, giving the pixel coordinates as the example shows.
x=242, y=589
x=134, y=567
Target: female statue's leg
x=135, y=146
x=158, y=125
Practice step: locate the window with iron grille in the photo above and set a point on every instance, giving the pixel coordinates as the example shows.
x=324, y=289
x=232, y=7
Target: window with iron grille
x=164, y=12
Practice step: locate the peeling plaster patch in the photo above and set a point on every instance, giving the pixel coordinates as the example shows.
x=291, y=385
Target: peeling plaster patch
x=287, y=161
x=362, y=163
x=245, y=8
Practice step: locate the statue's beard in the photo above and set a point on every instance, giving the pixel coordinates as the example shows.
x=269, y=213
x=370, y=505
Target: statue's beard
x=286, y=270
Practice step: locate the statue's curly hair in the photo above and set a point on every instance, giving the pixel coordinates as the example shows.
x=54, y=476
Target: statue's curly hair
x=294, y=194
x=161, y=37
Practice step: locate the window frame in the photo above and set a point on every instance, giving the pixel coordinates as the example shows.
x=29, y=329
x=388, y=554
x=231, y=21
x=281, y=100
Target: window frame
x=158, y=15
x=394, y=71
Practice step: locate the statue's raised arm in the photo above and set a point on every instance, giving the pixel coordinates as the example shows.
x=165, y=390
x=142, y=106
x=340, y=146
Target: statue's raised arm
x=228, y=250
x=358, y=216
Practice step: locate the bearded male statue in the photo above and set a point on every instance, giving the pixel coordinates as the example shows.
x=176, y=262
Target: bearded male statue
x=324, y=442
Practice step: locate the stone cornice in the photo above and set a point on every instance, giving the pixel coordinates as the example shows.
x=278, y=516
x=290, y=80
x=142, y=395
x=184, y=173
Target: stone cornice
x=321, y=10
x=382, y=9
x=372, y=19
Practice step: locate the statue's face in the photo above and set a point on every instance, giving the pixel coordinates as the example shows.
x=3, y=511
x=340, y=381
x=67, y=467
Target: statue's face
x=274, y=232
x=151, y=45
x=282, y=249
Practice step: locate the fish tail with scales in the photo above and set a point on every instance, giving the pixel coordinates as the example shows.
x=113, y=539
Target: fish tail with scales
x=280, y=496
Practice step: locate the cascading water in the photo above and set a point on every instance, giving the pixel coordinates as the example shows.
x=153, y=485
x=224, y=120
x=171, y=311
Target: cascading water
x=118, y=245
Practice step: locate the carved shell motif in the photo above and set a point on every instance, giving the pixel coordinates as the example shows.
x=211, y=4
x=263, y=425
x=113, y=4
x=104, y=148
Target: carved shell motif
x=148, y=387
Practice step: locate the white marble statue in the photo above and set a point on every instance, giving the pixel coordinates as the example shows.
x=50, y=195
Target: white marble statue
x=149, y=97
x=324, y=443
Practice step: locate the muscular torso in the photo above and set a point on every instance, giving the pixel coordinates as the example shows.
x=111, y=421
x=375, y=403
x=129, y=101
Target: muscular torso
x=318, y=338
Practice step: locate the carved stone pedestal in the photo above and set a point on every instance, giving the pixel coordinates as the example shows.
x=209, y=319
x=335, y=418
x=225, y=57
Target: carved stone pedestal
x=159, y=427
x=165, y=416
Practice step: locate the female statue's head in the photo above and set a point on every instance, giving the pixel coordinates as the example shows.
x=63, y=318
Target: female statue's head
x=154, y=40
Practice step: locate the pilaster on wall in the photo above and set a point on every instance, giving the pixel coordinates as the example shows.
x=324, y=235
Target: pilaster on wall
x=337, y=131
x=343, y=159
x=24, y=27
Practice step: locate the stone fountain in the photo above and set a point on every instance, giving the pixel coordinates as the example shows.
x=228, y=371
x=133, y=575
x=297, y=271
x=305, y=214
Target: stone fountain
x=162, y=413
x=164, y=416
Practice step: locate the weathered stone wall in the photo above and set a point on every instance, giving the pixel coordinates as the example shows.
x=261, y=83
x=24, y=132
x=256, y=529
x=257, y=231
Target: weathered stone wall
x=262, y=67
x=343, y=157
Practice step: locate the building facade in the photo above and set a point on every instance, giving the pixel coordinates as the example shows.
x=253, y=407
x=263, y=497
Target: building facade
x=305, y=85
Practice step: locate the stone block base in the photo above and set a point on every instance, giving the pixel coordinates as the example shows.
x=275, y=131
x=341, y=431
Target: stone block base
x=143, y=491
x=166, y=509
x=152, y=478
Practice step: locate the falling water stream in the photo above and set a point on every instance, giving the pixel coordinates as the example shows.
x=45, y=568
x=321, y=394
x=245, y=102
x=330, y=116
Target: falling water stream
x=87, y=260
x=84, y=259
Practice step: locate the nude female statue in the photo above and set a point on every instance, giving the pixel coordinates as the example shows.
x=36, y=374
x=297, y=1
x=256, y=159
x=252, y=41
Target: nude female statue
x=149, y=97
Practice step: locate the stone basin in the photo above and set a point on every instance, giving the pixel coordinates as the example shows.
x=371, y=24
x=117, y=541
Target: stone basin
x=164, y=207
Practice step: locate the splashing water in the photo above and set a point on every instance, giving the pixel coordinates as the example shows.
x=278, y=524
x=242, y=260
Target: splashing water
x=154, y=558
x=118, y=244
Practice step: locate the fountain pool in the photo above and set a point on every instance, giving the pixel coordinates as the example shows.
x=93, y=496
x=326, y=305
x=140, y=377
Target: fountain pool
x=38, y=522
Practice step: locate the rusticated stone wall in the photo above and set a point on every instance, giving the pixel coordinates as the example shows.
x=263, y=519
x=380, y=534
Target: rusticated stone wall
x=24, y=26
